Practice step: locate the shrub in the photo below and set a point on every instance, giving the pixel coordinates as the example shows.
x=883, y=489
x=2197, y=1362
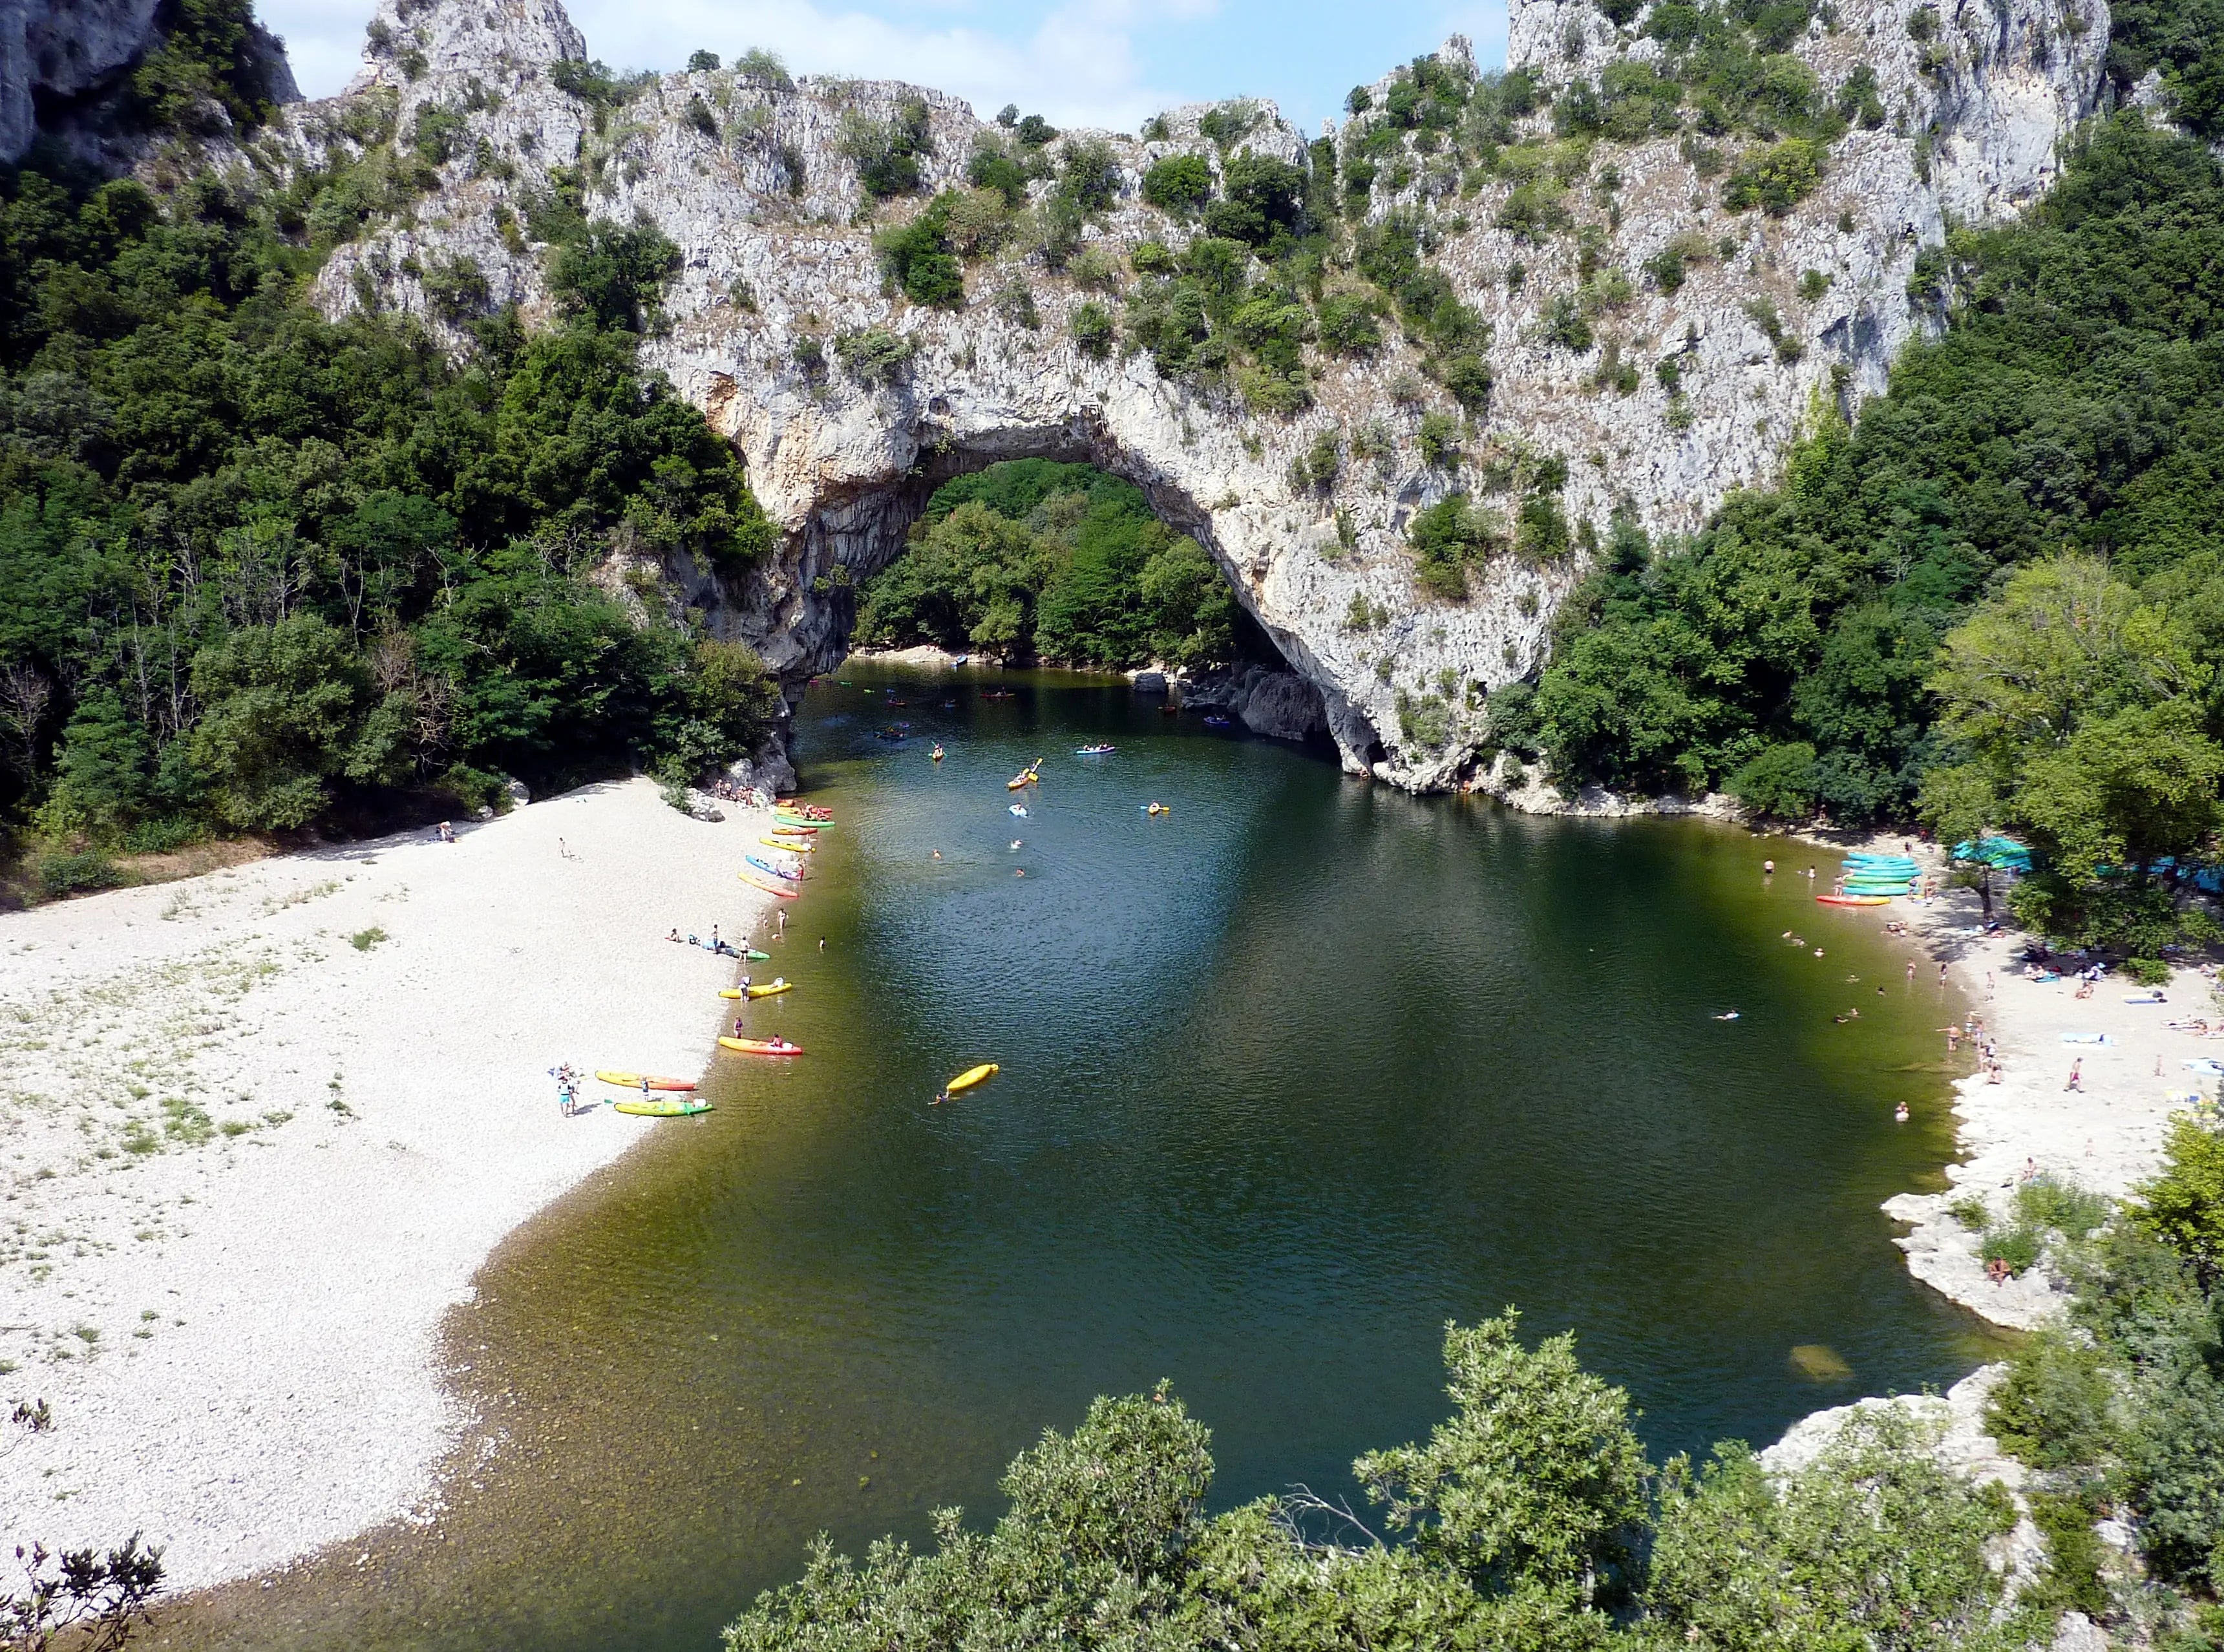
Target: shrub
x=875, y=356
x=2016, y=1243
x=1447, y=539
x=1350, y=323
x=1566, y=326
x=2047, y=1201
x=702, y=63
x=1093, y=330
x=916, y=258
x=1775, y=179
x=1779, y=783
x=1439, y=439
x=1178, y=183
x=886, y=153
x=1467, y=378
x=699, y=116
x=763, y=68
x=1096, y=269
x=63, y=874
x=1424, y=720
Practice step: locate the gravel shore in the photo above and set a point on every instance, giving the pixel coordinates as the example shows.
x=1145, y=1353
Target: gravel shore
x=259, y=1129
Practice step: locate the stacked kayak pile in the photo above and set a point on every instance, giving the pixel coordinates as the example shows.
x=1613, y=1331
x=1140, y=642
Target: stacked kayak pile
x=1870, y=880
x=2001, y=854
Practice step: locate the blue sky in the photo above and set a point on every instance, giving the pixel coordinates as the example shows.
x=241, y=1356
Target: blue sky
x=1107, y=63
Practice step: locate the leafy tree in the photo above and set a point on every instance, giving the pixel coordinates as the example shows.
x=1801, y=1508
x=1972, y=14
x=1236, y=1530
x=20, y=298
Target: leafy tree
x=2183, y=1206
x=1811, y=612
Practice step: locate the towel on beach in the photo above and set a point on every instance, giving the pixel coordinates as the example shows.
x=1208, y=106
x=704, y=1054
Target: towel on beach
x=2146, y=997
x=2208, y=1064
x=2086, y=1038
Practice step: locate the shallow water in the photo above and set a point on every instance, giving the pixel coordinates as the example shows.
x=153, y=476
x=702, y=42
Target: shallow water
x=1291, y=1077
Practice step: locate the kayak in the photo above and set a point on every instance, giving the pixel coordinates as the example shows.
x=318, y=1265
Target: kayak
x=970, y=1077
x=1092, y=751
x=632, y=1081
x=769, y=889
x=771, y=989
x=761, y=1046
x=663, y=1109
x=1020, y=809
x=795, y=877
x=793, y=845
x=1855, y=899
x=807, y=811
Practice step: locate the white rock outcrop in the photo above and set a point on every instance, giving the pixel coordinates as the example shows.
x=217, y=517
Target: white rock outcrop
x=749, y=179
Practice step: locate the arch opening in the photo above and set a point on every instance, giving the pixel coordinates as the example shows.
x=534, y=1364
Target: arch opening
x=1113, y=568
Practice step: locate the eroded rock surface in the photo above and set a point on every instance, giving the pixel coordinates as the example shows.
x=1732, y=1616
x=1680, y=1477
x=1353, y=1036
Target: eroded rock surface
x=748, y=176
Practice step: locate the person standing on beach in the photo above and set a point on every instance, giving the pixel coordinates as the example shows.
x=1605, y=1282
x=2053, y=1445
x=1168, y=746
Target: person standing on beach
x=2076, y=1076
x=1942, y=971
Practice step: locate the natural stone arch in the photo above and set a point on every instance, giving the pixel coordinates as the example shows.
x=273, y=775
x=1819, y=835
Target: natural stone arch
x=763, y=203
x=802, y=614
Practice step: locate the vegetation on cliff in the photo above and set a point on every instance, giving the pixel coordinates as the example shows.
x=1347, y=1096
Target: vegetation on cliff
x=260, y=571
x=2036, y=495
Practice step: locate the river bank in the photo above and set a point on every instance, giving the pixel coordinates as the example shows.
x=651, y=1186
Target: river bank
x=2106, y=1135
x=261, y=1128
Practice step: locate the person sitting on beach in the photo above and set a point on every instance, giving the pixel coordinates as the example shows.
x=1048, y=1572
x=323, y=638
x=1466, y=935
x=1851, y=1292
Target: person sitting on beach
x=447, y=833
x=675, y=935
x=1998, y=1271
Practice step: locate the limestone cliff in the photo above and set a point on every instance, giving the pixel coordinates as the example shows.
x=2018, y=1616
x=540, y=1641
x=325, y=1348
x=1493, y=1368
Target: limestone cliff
x=1769, y=319
x=64, y=64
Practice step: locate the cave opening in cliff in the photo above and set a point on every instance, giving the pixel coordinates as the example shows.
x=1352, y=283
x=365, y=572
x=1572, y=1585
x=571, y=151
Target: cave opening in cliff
x=1050, y=557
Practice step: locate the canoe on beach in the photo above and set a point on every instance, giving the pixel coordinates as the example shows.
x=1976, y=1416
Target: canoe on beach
x=766, y=885
x=761, y=1046
x=1854, y=900
x=632, y=1081
x=793, y=845
x=672, y=1109
x=766, y=867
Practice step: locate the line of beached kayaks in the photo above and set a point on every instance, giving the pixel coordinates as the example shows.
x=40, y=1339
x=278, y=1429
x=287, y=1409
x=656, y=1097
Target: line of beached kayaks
x=1875, y=880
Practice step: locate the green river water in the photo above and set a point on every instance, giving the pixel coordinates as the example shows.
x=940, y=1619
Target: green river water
x=1291, y=1077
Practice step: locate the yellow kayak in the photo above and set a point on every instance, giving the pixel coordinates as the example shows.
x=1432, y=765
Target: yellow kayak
x=632, y=1081
x=970, y=1077
x=793, y=845
x=770, y=989
x=671, y=1108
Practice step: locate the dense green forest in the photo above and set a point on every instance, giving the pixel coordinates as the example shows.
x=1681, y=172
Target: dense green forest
x=1997, y=598
x=1059, y=562
x=1531, y=1520
x=261, y=572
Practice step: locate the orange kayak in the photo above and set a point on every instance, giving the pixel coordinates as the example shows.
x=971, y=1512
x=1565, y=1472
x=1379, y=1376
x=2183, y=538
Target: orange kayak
x=767, y=884
x=761, y=1046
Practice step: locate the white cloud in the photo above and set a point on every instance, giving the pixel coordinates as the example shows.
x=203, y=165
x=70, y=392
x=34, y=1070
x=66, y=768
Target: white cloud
x=1079, y=65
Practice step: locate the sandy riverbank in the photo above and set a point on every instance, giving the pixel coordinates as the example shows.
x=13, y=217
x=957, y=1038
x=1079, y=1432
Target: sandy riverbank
x=2106, y=1136
x=259, y=1129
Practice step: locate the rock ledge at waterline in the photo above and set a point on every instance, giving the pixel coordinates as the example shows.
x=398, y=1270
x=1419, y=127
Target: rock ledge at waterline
x=844, y=468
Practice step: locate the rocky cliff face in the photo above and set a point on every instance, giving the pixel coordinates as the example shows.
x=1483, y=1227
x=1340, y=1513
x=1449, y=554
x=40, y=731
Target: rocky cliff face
x=1779, y=317
x=63, y=61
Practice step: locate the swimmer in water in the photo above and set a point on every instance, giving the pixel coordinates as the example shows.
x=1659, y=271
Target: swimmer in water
x=1900, y=1113
x=1728, y=1015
